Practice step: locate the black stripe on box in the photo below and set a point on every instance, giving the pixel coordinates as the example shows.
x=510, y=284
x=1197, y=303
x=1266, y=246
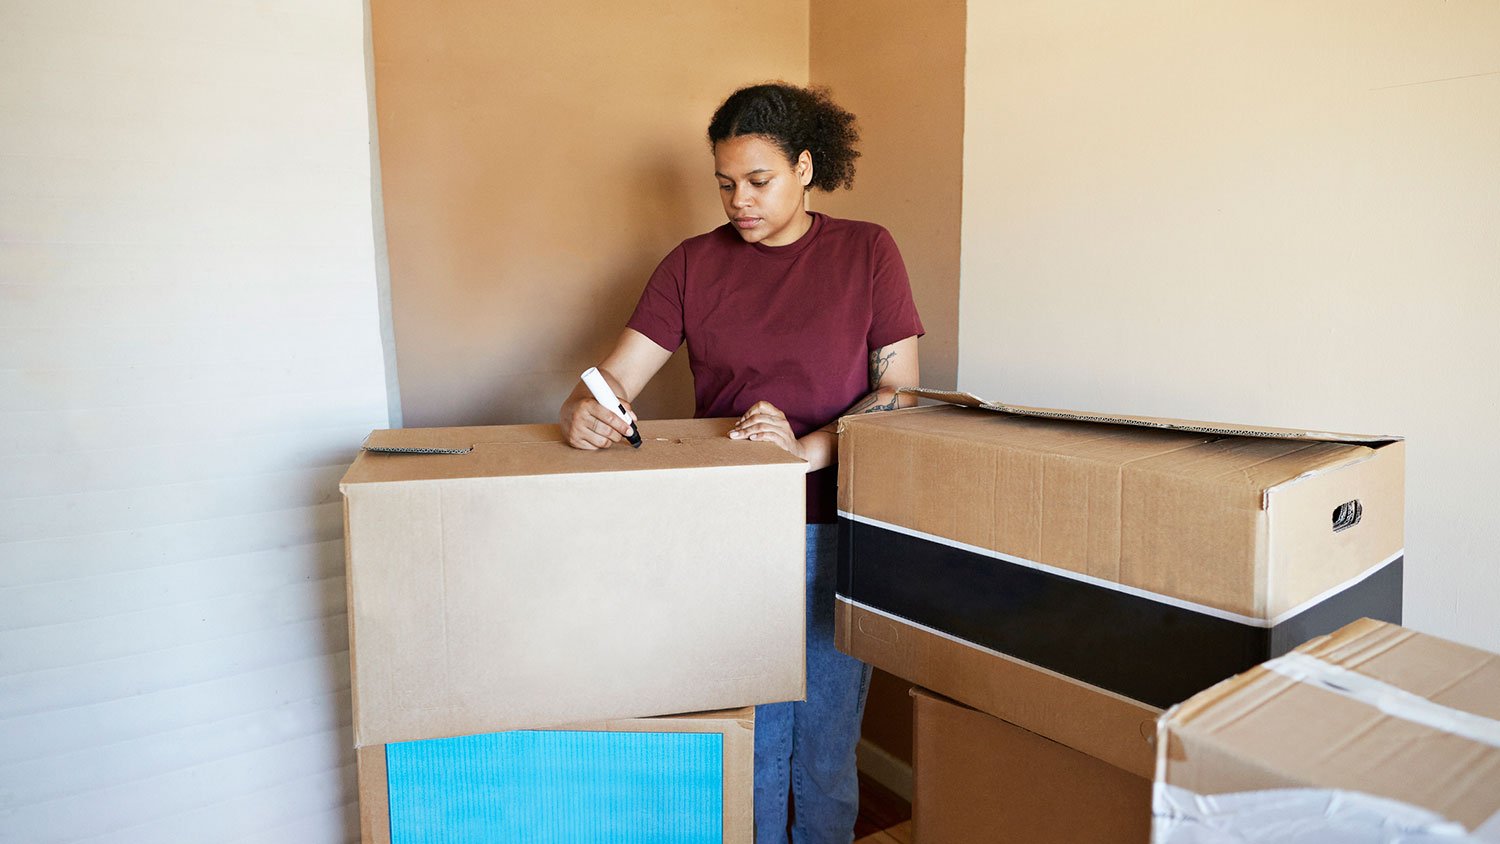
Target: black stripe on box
x=1154, y=652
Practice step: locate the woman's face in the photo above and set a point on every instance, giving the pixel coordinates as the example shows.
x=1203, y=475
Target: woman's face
x=762, y=192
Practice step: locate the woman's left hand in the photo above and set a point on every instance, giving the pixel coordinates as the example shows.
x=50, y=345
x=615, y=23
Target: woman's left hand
x=763, y=422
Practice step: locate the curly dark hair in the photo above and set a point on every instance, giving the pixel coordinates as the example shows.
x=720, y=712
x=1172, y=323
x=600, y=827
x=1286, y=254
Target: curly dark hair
x=795, y=119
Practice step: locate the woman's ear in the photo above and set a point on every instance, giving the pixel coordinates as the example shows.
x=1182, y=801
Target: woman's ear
x=805, y=168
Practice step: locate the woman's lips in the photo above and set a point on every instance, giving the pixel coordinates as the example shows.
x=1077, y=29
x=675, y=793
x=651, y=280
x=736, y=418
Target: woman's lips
x=746, y=222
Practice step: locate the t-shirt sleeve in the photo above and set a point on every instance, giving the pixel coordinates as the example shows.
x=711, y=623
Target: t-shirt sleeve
x=894, y=312
x=659, y=313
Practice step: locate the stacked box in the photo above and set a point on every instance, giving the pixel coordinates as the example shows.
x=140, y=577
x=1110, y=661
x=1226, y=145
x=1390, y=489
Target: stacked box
x=981, y=778
x=1075, y=573
x=499, y=580
x=1375, y=733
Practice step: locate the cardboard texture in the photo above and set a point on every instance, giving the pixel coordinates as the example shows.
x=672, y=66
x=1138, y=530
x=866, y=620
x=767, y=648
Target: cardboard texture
x=1241, y=524
x=1115, y=729
x=736, y=727
x=520, y=583
x=980, y=778
x=1373, y=708
x=1030, y=562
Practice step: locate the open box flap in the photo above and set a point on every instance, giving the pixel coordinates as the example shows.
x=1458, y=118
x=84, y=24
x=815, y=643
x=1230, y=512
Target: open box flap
x=964, y=399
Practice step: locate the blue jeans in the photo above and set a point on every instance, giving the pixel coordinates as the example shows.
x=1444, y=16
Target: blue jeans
x=807, y=747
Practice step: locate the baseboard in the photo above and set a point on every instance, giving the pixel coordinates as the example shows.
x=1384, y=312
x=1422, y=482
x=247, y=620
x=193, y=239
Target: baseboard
x=880, y=766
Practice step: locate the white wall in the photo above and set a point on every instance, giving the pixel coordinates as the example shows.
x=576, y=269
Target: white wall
x=189, y=355
x=1274, y=212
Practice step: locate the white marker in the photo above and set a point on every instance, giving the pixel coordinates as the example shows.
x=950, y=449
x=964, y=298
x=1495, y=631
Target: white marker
x=605, y=396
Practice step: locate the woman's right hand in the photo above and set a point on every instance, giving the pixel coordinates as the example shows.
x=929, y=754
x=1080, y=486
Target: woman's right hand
x=586, y=424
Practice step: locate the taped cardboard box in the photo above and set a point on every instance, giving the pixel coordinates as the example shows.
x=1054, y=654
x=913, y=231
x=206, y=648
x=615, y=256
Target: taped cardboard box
x=684, y=779
x=1028, y=561
x=980, y=778
x=1373, y=734
x=499, y=579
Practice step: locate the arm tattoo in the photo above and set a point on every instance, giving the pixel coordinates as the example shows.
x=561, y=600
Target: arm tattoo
x=880, y=361
x=871, y=404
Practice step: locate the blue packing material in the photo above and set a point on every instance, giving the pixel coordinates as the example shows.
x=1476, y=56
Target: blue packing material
x=558, y=786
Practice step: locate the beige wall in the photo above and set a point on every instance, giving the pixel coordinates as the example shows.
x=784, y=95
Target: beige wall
x=538, y=161
x=910, y=173
x=910, y=180
x=1286, y=213
x=190, y=353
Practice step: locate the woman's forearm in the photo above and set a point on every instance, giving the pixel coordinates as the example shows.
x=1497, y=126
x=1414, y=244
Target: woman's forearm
x=820, y=449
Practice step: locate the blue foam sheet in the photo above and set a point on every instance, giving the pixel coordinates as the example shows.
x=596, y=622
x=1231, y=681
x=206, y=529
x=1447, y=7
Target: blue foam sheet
x=558, y=786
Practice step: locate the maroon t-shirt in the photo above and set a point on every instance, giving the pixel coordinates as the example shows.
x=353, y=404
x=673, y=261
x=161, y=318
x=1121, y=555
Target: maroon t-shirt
x=792, y=325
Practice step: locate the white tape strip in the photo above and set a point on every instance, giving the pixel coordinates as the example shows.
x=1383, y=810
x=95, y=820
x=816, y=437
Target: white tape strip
x=1296, y=816
x=1308, y=815
x=1120, y=587
x=1393, y=701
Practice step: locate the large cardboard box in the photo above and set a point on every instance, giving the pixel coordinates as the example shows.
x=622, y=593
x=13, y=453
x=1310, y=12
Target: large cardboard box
x=687, y=778
x=977, y=778
x=1033, y=562
x=500, y=580
x=1373, y=734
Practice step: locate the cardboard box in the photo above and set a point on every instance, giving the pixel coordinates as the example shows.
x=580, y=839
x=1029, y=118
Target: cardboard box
x=979, y=778
x=686, y=778
x=1028, y=561
x=1375, y=733
x=517, y=582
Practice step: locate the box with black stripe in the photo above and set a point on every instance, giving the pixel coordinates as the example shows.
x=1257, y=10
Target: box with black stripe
x=1076, y=573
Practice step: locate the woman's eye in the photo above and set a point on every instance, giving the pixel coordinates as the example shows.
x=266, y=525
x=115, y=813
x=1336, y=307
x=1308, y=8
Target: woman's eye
x=726, y=187
x=761, y=184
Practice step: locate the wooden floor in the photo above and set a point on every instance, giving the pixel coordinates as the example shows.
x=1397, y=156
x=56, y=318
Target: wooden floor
x=884, y=818
x=898, y=834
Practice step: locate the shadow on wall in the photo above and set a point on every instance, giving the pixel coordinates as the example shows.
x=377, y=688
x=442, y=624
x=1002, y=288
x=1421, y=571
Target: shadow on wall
x=329, y=629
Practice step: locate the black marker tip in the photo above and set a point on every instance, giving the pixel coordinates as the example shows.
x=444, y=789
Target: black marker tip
x=634, y=437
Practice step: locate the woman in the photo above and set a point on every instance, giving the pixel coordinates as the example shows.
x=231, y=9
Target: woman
x=791, y=319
